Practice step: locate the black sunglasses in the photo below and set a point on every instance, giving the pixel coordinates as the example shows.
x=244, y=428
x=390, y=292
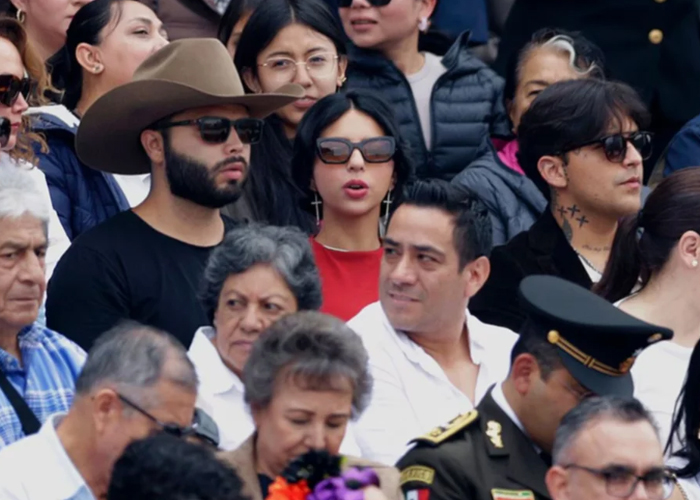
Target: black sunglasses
x=373, y=3
x=615, y=146
x=172, y=429
x=216, y=130
x=11, y=87
x=335, y=150
x=5, y=131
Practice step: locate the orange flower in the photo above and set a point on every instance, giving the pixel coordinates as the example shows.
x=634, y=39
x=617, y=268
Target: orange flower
x=282, y=490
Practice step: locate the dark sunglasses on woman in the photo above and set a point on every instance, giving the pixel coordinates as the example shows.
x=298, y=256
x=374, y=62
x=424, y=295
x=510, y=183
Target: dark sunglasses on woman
x=216, y=130
x=11, y=87
x=615, y=146
x=5, y=131
x=335, y=150
x=373, y=3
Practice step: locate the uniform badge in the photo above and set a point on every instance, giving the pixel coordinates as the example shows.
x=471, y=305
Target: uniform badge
x=493, y=431
x=420, y=494
x=417, y=473
x=499, y=494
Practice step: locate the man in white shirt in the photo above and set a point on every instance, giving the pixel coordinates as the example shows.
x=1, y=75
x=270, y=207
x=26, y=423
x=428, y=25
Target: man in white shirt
x=430, y=359
x=137, y=381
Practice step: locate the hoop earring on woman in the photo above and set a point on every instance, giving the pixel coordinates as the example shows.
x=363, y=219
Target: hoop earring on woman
x=21, y=16
x=317, y=203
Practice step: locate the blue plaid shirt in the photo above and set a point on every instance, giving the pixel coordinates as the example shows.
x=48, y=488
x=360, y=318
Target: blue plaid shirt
x=46, y=379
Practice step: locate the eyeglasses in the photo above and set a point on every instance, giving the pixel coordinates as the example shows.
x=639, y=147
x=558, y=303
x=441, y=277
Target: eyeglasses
x=373, y=3
x=11, y=87
x=172, y=429
x=335, y=150
x=216, y=130
x=5, y=131
x=320, y=65
x=621, y=481
x=615, y=146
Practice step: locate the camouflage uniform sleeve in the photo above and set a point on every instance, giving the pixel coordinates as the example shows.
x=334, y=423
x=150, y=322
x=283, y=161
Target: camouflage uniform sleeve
x=430, y=473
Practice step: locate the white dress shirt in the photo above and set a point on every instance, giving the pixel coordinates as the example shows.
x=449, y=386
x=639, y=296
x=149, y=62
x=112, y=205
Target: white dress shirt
x=221, y=395
x=411, y=393
x=38, y=468
x=135, y=187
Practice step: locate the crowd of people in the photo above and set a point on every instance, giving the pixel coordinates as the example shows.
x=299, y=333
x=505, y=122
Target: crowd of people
x=349, y=249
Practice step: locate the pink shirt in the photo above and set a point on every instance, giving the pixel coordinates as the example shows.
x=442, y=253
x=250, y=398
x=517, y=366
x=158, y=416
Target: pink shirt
x=507, y=154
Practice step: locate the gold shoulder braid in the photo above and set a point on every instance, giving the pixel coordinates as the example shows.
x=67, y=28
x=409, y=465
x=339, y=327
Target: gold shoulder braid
x=441, y=433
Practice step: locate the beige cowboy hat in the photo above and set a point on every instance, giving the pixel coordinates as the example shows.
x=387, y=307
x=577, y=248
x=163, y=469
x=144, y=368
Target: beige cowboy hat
x=184, y=74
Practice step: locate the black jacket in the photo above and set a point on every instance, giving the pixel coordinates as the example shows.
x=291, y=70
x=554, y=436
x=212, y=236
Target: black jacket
x=466, y=103
x=669, y=70
x=482, y=455
x=541, y=250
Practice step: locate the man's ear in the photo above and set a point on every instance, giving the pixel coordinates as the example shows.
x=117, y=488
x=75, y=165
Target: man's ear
x=475, y=275
x=251, y=81
x=154, y=146
x=524, y=372
x=557, y=479
x=553, y=171
x=105, y=409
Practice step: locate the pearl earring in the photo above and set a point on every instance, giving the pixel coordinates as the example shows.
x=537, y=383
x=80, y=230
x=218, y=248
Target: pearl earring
x=694, y=263
x=423, y=24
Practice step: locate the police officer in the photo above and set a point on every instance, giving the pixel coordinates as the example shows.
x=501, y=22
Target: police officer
x=573, y=345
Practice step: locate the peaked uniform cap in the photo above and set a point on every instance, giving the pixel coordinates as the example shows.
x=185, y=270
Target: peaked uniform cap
x=183, y=75
x=597, y=342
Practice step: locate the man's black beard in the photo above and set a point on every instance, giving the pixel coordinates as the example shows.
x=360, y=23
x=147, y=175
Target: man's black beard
x=193, y=181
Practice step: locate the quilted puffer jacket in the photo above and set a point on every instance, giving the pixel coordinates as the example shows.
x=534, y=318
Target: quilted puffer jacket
x=467, y=106
x=82, y=197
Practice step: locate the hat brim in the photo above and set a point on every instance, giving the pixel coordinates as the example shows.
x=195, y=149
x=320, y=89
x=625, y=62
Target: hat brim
x=109, y=136
x=597, y=382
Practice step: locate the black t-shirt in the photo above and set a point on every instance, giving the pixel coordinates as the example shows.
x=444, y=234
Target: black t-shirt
x=122, y=269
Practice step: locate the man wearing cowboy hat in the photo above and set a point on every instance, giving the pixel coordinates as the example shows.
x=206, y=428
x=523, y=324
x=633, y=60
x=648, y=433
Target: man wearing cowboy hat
x=185, y=120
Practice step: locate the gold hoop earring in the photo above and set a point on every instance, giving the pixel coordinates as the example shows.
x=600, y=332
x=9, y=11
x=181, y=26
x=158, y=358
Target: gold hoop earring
x=21, y=16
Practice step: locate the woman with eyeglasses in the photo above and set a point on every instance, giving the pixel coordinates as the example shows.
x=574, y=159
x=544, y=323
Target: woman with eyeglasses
x=306, y=379
x=496, y=177
x=447, y=103
x=351, y=165
x=106, y=42
x=23, y=81
x=653, y=273
x=285, y=41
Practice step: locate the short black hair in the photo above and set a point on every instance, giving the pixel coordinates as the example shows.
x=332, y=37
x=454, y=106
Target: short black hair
x=472, y=232
x=544, y=353
x=569, y=113
x=164, y=467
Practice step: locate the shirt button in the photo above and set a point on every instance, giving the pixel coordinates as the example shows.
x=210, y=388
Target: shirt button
x=656, y=36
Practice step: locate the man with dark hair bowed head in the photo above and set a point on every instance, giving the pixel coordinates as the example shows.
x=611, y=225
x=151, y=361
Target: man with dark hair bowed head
x=186, y=120
x=136, y=381
x=608, y=448
x=582, y=143
x=573, y=345
x=163, y=467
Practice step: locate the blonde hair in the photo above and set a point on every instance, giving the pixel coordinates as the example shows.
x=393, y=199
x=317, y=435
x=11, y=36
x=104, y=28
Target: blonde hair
x=13, y=31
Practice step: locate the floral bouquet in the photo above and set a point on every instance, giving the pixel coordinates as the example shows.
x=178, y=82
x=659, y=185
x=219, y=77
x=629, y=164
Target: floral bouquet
x=317, y=475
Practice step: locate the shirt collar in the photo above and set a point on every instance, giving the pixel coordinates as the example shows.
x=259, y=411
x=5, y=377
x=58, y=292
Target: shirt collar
x=500, y=398
x=211, y=370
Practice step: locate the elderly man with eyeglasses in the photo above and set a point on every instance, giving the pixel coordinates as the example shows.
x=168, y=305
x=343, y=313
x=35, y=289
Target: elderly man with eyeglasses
x=608, y=448
x=137, y=381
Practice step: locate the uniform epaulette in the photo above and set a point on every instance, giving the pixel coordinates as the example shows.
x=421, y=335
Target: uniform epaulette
x=441, y=433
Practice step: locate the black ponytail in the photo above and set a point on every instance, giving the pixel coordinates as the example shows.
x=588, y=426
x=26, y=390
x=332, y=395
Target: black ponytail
x=686, y=420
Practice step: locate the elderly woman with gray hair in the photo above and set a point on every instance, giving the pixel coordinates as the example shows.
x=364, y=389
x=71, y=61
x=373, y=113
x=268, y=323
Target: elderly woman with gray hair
x=257, y=275
x=306, y=378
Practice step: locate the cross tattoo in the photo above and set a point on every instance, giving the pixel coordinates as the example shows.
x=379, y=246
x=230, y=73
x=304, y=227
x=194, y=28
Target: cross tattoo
x=582, y=220
x=574, y=210
x=562, y=211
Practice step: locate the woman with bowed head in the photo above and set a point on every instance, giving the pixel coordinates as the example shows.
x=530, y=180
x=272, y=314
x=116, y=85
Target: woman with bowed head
x=496, y=178
x=305, y=379
x=257, y=275
x=234, y=20
x=653, y=273
x=106, y=42
x=23, y=81
x=351, y=165
x=45, y=21
x=286, y=41
x=447, y=104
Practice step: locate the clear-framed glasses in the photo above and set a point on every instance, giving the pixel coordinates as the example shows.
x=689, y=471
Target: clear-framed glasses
x=318, y=66
x=620, y=481
x=168, y=428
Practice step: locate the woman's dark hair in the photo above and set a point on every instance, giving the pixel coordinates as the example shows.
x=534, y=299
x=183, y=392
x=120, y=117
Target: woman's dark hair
x=233, y=13
x=86, y=27
x=586, y=57
x=272, y=16
x=686, y=420
x=670, y=210
x=570, y=113
x=326, y=112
